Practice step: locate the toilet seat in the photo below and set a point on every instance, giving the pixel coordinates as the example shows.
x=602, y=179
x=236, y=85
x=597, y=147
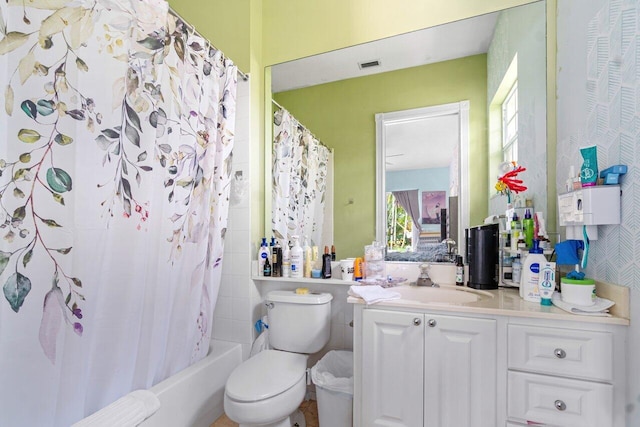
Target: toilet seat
x=267, y=374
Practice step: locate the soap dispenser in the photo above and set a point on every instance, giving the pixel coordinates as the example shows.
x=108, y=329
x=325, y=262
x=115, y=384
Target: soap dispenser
x=424, y=279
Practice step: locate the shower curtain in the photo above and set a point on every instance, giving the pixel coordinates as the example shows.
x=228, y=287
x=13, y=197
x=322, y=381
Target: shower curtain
x=299, y=181
x=117, y=130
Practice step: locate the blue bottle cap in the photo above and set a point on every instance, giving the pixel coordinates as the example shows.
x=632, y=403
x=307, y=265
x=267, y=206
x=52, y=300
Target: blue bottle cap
x=545, y=301
x=536, y=249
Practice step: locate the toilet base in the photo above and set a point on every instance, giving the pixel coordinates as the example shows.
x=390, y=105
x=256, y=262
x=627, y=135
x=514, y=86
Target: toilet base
x=294, y=420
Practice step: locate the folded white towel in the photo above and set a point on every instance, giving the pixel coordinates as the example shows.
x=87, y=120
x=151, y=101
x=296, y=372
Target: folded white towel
x=128, y=411
x=373, y=294
x=600, y=308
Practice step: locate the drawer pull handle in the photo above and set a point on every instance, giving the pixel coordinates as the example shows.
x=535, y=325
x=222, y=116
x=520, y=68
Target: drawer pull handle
x=560, y=405
x=432, y=323
x=417, y=321
x=560, y=353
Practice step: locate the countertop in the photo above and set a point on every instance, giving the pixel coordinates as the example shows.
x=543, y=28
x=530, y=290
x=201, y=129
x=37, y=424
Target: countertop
x=501, y=302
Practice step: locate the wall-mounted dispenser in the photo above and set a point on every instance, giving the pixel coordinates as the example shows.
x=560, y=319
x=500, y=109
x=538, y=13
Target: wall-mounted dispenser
x=590, y=207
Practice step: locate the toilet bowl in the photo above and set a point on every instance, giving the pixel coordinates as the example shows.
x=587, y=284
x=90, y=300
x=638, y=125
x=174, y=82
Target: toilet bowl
x=267, y=389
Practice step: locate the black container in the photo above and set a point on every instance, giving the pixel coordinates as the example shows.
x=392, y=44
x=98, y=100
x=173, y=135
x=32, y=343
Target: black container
x=482, y=256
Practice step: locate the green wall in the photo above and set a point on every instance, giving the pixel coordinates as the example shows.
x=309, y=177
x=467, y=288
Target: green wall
x=342, y=115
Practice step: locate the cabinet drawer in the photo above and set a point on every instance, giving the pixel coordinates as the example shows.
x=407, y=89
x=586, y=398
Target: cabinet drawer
x=559, y=401
x=566, y=352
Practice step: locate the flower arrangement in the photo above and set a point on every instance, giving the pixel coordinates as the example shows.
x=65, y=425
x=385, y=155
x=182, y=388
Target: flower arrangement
x=509, y=181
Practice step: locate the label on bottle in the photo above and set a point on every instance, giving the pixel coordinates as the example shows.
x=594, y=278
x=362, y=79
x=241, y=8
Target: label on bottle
x=459, y=274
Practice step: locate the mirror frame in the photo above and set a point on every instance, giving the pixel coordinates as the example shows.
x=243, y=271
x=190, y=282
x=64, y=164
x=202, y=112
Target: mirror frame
x=461, y=109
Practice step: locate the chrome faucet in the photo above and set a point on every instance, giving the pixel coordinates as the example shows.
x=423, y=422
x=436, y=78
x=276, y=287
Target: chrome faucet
x=424, y=279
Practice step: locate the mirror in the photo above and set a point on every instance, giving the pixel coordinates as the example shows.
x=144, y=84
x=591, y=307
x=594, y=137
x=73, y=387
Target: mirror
x=337, y=95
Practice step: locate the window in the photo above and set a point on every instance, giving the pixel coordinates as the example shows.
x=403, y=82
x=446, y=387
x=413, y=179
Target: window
x=510, y=125
x=399, y=226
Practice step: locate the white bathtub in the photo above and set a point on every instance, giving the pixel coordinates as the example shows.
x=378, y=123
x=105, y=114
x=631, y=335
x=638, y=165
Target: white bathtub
x=194, y=396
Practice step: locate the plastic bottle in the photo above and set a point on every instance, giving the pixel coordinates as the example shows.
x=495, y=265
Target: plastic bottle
x=531, y=273
x=286, y=261
x=459, y=271
x=333, y=253
x=267, y=268
x=516, y=270
x=326, y=264
x=307, y=258
x=527, y=227
x=297, y=258
x=263, y=254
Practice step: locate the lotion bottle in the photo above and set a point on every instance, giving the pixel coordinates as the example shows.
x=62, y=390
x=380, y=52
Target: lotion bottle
x=296, y=258
x=263, y=254
x=533, y=263
x=307, y=255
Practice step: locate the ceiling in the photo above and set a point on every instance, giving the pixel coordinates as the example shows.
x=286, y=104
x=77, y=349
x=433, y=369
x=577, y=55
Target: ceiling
x=449, y=41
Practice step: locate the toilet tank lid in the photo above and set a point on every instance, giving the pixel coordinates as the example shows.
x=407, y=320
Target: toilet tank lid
x=293, y=297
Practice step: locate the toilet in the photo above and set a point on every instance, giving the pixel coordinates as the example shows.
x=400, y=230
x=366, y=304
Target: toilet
x=267, y=389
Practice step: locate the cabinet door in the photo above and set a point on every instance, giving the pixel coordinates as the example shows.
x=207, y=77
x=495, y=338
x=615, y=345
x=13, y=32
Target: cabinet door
x=460, y=372
x=392, y=368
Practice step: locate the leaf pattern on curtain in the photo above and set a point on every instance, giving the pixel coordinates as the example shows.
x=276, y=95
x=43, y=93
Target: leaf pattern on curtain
x=299, y=180
x=176, y=89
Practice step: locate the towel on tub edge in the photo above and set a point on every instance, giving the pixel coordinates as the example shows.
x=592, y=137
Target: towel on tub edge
x=128, y=411
x=373, y=294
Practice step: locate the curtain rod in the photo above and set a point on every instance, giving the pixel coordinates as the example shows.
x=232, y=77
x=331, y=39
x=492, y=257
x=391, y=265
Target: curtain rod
x=172, y=11
x=273, y=101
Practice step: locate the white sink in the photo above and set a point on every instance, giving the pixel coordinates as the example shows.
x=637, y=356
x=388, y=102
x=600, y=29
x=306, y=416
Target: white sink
x=441, y=295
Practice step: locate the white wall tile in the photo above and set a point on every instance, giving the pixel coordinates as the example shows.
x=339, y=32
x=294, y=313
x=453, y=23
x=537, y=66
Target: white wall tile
x=241, y=309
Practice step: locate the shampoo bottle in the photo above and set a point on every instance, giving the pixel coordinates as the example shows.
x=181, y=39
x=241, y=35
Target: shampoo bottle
x=527, y=229
x=263, y=254
x=326, y=264
x=276, y=260
x=296, y=258
x=307, y=254
x=286, y=261
x=531, y=273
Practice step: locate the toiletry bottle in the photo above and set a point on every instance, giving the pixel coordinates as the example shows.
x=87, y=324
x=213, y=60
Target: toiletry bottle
x=286, y=261
x=516, y=231
x=459, y=271
x=271, y=245
x=516, y=270
x=547, y=282
x=333, y=253
x=326, y=264
x=531, y=273
x=267, y=268
x=276, y=260
x=358, y=269
x=306, y=258
x=263, y=254
x=527, y=228
x=297, y=258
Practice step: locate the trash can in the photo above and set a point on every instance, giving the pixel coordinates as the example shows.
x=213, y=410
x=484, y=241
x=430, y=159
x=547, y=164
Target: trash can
x=333, y=377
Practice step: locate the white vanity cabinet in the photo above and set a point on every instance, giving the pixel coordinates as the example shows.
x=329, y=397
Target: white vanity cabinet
x=438, y=368
x=423, y=369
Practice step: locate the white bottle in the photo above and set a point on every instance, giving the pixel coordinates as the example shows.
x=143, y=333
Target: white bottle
x=306, y=251
x=263, y=254
x=296, y=258
x=516, y=270
x=286, y=260
x=533, y=263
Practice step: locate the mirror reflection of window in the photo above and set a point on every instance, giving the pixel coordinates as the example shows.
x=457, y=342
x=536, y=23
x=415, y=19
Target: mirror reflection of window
x=399, y=226
x=510, y=125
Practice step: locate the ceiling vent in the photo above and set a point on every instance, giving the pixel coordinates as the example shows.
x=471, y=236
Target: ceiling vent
x=369, y=64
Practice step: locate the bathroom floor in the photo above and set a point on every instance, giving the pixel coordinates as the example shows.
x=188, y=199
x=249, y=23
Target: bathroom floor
x=309, y=408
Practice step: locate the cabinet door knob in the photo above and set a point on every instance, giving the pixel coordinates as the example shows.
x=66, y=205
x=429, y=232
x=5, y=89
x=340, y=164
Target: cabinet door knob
x=560, y=405
x=417, y=321
x=432, y=323
x=560, y=353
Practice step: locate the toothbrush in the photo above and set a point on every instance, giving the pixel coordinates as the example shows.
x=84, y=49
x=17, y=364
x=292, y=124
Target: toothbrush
x=585, y=252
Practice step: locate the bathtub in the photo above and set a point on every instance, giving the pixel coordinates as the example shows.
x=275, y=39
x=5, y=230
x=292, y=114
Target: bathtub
x=194, y=397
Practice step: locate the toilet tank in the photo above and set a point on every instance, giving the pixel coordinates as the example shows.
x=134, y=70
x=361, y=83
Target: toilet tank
x=300, y=323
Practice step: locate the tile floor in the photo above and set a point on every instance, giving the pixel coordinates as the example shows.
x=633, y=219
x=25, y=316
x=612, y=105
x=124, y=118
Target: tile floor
x=309, y=408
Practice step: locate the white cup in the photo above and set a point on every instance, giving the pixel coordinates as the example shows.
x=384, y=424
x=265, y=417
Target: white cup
x=346, y=269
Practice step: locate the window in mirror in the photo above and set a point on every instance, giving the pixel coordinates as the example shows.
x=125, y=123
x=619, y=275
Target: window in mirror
x=510, y=125
x=399, y=226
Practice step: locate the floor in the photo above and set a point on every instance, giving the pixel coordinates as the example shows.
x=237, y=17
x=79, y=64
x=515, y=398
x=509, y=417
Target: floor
x=309, y=408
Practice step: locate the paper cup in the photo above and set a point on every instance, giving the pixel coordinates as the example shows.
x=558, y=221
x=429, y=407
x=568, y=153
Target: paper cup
x=346, y=269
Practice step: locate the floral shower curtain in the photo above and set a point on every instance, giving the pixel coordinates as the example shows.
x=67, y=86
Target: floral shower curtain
x=299, y=181
x=117, y=129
